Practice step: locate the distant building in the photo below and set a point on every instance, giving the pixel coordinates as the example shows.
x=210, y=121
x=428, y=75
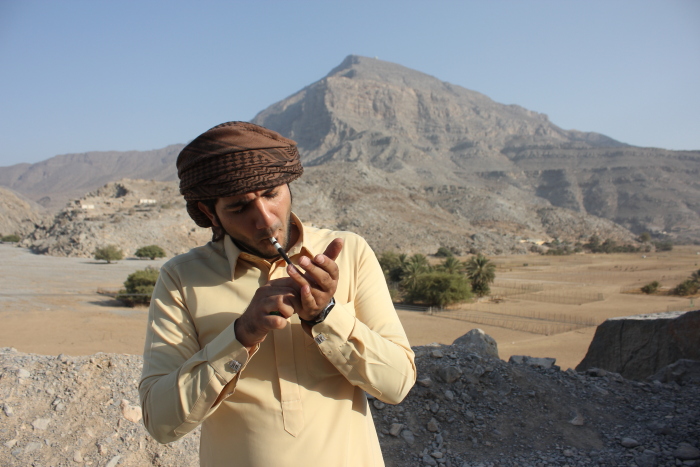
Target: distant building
x=147, y=201
x=87, y=206
x=536, y=241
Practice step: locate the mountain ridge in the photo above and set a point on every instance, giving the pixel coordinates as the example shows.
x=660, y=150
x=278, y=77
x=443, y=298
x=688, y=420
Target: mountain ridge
x=414, y=163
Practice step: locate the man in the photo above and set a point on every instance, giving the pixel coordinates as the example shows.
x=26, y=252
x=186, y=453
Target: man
x=272, y=360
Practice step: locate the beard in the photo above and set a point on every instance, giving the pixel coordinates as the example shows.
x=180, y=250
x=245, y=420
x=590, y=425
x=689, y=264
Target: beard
x=283, y=241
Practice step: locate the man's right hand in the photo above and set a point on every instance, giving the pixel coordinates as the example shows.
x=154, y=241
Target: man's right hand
x=280, y=295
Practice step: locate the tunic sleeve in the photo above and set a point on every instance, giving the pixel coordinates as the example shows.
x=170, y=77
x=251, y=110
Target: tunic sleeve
x=364, y=338
x=181, y=381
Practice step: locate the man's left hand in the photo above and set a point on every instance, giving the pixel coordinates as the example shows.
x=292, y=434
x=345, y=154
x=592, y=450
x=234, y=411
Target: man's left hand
x=319, y=282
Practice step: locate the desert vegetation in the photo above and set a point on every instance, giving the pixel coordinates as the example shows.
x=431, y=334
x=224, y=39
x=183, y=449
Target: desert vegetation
x=414, y=280
x=12, y=238
x=138, y=287
x=690, y=286
x=109, y=253
x=150, y=251
x=481, y=272
x=651, y=287
x=609, y=246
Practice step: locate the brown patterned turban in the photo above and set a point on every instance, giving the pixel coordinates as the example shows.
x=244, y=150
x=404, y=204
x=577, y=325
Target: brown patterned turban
x=231, y=159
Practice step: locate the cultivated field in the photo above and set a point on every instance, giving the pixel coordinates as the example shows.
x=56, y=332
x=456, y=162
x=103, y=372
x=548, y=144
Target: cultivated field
x=541, y=306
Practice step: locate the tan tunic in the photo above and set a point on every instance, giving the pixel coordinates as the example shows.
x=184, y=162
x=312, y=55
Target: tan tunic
x=295, y=400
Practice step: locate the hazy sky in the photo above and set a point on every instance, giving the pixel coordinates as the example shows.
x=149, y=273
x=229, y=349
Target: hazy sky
x=79, y=76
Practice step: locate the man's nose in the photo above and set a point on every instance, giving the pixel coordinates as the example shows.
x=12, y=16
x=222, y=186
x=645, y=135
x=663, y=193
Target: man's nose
x=264, y=219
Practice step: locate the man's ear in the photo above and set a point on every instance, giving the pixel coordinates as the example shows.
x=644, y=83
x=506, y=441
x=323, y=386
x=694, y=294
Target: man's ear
x=211, y=215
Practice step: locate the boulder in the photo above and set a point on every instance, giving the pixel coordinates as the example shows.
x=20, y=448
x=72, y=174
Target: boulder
x=639, y=346
x=479, y=342
x=540, y=362
x=682, y=372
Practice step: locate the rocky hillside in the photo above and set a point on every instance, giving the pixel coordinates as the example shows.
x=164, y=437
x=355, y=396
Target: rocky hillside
x=414, y=130
x=418, y=219
x=120, y=213
x=55, y=181
x=128, y=213
x=19, y=215
x=468, y=409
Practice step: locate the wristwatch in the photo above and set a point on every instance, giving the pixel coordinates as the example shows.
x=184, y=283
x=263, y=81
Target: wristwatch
x=321, y=316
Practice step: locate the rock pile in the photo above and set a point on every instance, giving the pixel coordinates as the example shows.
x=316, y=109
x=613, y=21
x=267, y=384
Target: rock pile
x=468, y=408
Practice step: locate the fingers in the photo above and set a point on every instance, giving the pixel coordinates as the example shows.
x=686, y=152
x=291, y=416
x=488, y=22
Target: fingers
x=321, y=267
x=318, y=282
x=280, y=301
x=334, y=248
x=257, y=321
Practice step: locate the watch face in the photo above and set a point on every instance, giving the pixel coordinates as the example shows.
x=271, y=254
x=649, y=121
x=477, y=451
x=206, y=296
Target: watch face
x=324, y=313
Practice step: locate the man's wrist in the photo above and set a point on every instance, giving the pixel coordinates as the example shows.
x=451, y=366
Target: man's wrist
x=321, y=316
x=238, y=332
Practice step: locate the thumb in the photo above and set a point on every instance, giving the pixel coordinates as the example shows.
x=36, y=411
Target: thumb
x=334, y=248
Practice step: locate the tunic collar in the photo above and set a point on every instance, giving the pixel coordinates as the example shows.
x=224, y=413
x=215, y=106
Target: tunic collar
x=234, y=254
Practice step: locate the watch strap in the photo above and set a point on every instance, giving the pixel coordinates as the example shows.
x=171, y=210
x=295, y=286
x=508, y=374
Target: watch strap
x=322, y=315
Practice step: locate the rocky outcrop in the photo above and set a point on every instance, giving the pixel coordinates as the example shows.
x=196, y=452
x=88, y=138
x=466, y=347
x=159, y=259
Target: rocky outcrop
x=18, y=215
x=639, y=346
x=129, y=214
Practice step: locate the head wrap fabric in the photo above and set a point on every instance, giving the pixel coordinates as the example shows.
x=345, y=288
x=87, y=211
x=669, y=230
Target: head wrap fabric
x=231, y=159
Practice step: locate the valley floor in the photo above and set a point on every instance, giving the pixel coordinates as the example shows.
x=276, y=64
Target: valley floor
x=541, y=306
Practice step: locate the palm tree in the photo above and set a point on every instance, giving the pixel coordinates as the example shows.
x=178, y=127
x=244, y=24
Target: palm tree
x=481, y=272
x=451, y=265
x=695, y=276
x=414, y=267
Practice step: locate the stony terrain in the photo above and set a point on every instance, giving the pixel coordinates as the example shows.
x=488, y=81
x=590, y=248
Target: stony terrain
x=19, y=215
x=116, y=214
x=467, y=409
x=129, y=213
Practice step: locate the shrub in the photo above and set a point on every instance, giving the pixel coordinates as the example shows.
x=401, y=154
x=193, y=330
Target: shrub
x=10, y=238
x=690, y=286
x=439, y=289
x=139, y=287
x=108, y=253
x=687, y=287
x=150, y=251
x=561, y=250
x=444, y=252
x=664, y=245
x=651, y=287
x=608, y=246
x=645, y=237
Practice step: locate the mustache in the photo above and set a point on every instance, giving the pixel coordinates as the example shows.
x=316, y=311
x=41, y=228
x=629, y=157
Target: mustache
x=267, y=233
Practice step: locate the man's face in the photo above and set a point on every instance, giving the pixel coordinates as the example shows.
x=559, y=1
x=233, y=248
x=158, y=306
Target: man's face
x=252, y=218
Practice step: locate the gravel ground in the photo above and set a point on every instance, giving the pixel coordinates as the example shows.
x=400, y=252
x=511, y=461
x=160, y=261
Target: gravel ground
x=467, y=409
